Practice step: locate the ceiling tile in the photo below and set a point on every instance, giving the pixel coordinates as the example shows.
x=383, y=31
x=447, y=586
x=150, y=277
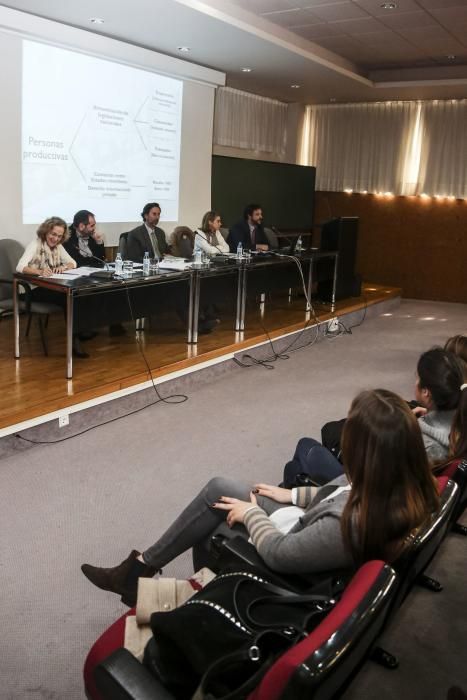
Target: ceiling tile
x=363, y=25
x=451, y=17
x=373, y=7
x=338, y=10
x=313, y=32
x=406, y=20
x=441, y=4
x=260, y=6
x=288, y=18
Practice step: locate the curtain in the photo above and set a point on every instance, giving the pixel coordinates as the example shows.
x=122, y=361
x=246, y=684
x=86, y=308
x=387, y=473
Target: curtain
x=443, y=156
x=363, y=147
x=244, y=120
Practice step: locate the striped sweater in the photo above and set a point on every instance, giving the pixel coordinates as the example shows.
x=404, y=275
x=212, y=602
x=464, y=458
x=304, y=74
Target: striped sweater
x=315, y=544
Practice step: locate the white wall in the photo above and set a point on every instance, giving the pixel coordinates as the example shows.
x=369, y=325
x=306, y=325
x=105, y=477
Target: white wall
x=197, y=119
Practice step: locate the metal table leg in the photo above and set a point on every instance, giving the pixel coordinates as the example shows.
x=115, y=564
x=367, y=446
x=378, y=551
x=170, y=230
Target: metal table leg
x=193, y=307
x=16, y=317
x=310, y=285
x=69, y=334
x=241, y=299
x=334, y=283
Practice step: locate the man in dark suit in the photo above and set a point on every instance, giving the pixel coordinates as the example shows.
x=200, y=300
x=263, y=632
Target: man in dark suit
x=85, y=243
x=148, y=237
x=249, y=232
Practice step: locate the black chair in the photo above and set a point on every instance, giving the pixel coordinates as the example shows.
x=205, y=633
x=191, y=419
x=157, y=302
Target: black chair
x=10, y=253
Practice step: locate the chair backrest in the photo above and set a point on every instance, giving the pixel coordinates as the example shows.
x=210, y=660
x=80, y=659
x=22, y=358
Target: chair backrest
x=182, y=242
x=224, y=232
x=457, y=471
x=324, y=661
x=272, y=238
x=10, y=253
x=122, y=244
x=417, y=557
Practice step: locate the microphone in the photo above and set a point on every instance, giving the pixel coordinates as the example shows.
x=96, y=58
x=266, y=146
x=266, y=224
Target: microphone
x=105, y=274
x=281, y=235
x=103, y=263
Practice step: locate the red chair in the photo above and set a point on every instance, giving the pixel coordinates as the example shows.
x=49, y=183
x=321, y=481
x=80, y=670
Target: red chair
x=457, y=471
x=321, y=663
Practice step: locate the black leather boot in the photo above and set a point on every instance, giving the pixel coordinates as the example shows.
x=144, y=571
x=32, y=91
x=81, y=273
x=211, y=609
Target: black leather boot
x=121, y=579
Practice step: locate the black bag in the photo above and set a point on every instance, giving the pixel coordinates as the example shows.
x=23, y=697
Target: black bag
x=227, y=635
x=331, y=434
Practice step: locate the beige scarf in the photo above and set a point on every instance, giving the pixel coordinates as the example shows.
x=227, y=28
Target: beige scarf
x=45, y=257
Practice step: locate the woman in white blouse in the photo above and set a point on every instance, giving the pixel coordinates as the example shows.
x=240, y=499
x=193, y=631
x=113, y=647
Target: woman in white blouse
x=46, y=256
x=208, y=237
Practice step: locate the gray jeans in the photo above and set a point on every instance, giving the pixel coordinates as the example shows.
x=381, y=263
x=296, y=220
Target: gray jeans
x=199, y=520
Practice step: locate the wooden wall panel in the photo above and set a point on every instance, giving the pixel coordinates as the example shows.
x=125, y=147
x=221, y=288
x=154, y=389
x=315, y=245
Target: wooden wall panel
x=410, y=242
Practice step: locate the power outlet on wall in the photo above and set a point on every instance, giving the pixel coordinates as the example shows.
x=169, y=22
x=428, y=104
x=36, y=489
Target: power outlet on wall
x=63, y=420
x=333, y=325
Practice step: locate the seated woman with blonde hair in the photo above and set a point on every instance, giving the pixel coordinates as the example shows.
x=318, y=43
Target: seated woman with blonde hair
x=372, y=512
x=208, y=237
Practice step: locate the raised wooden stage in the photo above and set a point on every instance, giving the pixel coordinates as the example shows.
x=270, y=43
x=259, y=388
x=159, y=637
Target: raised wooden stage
x=34, y=387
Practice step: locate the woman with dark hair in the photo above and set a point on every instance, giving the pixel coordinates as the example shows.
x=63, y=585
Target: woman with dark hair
x=437, y=391
x=208, y=237
x=387, y=493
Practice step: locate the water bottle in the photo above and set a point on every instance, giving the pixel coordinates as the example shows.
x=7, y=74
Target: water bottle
x=198, y=258
x=146, y=263
x=298, y=247
x=118, y=264
x=240, y=251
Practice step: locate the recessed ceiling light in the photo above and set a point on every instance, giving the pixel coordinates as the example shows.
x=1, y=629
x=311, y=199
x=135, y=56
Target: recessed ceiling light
x=246, y=70
x=389, y=5
x=183, y=49
x=451, y=57
x=96, y=20
x=332, y=99
x=295, y=86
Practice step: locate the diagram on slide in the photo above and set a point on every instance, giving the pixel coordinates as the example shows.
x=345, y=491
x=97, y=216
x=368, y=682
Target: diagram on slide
x=97, y=135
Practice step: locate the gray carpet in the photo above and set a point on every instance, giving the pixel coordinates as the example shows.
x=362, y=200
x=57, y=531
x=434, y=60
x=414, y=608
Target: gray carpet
x=95, y=497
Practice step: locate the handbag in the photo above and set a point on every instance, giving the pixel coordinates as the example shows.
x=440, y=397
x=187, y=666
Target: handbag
x=221, y=642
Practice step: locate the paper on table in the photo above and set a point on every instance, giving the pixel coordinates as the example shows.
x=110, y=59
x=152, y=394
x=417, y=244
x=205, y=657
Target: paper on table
x=59, y=276
x=82, y=271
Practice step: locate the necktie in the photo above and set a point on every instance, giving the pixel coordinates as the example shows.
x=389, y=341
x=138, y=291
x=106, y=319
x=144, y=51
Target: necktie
x=155, y=245
x=253, y=236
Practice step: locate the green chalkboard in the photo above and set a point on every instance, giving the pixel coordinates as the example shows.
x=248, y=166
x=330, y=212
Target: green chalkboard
x=285, y=192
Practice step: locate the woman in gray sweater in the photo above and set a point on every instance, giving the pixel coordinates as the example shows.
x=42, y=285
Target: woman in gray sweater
x=388, y=492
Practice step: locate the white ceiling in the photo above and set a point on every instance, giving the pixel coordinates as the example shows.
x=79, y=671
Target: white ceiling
x=343, y=50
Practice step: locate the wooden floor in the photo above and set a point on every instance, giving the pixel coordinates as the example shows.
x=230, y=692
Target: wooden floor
x=36, y=385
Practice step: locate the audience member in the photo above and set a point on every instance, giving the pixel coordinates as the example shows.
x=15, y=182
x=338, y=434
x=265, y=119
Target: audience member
x=182, y=242
x=208, y=237
x=387, y=493
x=249, y=232
x=147, y=238
x=458, y=345
x=437, y=393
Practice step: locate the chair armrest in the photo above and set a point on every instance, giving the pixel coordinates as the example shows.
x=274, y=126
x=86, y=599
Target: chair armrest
x=3, y=280
x=238, y=552
x=122, y=677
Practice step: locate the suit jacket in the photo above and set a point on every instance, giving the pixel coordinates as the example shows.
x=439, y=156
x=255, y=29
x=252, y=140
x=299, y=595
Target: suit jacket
x=240, y=233
x=139, y=242
x=72, y=248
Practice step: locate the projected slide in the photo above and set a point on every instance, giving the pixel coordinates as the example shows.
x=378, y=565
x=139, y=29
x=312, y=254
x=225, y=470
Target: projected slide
x=97, y=135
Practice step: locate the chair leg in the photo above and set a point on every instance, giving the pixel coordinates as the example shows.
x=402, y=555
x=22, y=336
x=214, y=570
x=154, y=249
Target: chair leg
x=42, y=334
x=46, y=322
x=459, y=529
x=28, y=327
x=384, y=658
x=431, y=584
